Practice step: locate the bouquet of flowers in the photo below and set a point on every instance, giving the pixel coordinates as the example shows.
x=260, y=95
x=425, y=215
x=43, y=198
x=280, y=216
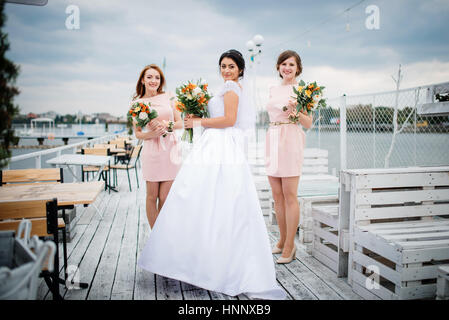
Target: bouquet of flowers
x=142, y=114
x=308, y=98
x=192, y=99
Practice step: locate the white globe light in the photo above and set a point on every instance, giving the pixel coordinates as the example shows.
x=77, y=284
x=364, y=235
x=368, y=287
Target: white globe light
x=258, y=39
x=250, y=45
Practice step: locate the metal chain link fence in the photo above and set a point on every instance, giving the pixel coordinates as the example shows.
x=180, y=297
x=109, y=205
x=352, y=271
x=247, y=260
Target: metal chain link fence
x=372, y=138
x=377, y=137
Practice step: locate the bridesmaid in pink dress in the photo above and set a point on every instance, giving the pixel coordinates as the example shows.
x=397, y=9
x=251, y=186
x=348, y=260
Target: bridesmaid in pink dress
x=284, y=153
x=161, y=157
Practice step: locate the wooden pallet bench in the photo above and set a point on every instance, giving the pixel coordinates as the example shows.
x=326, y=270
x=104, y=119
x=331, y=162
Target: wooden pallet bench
x=330, y=244
x=443, y=283
x=398, y=228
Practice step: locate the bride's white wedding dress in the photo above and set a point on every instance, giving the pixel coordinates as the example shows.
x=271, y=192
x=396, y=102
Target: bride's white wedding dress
x=210, y=232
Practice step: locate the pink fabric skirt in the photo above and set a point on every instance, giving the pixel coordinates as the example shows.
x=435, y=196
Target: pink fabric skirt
x=161, y=158
x=284, y=150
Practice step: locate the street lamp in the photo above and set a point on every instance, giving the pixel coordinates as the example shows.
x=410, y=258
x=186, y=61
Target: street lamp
x=254, y=47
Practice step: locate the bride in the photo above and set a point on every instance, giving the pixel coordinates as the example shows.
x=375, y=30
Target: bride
x=210, y=232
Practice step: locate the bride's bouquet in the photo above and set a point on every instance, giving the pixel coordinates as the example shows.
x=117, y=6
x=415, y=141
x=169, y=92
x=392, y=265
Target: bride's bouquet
x=192, y=99
x=142, y=114
x=308, y=98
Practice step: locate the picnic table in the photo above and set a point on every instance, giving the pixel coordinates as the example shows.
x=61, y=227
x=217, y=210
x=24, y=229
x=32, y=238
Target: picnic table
x=67, y=194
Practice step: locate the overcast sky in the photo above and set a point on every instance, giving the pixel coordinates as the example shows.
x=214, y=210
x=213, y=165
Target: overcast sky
x=95, y=68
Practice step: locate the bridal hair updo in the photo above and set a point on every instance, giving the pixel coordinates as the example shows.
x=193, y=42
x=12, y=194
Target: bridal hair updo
x=288, y=54
x=140, y=87
x=237, y=57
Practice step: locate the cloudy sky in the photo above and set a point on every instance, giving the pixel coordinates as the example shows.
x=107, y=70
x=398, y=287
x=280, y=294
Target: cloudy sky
x=95, y=68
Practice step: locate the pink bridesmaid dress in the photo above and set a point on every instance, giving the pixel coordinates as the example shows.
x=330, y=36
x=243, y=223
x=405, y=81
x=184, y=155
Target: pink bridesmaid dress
x=285, y=142
x=161, y=157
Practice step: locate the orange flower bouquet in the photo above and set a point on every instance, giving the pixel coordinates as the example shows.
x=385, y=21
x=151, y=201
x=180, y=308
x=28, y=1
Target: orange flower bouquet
x=192, y=100
x=308, y=98
x=142, y=114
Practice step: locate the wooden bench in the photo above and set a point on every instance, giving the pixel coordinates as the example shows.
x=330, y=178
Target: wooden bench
x=315, y=175
x=10, y=177
x=330, y=243
x=399, y=230
x=443, y=283
x=43, y=215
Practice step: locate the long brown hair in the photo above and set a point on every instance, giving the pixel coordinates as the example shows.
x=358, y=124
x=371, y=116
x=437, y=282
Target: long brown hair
x=288, y=54
x=140, y=87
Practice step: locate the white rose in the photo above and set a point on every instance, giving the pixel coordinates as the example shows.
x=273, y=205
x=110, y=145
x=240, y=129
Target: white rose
x=143, y=116
x=197, y=91
x=189, y=96
x=316, y=98
x=136, y=109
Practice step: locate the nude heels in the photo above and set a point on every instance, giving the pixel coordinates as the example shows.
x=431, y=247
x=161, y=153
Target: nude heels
x=289, y=259
x=276, y=249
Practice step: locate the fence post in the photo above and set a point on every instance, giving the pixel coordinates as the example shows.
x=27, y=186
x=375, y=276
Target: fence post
x=38, y=162
x=374, y=131
x=343, y=160
x=319, y=128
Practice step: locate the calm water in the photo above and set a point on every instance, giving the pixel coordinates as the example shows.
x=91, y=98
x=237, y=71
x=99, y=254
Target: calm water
x=364, y=150
x=71, y=130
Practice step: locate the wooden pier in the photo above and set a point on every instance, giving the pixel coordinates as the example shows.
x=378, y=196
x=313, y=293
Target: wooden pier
x=106, y=253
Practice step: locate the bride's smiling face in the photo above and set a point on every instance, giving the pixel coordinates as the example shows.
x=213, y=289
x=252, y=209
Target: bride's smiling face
x=229, y=69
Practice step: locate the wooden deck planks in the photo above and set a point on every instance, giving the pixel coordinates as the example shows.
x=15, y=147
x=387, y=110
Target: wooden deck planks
x=107, y=251
x=101, y=286
x=123, y=288
x=90, y=258
x=145, y=282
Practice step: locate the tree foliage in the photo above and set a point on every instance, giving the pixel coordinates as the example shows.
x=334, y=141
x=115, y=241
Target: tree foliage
x=8, y=74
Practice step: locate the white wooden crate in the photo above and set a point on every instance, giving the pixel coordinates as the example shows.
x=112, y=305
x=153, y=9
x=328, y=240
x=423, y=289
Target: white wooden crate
x=443, y=283
x=314, y=179
x=398, y=235
x=330, y=245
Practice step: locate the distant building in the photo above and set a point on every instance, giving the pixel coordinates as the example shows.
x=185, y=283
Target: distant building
x=32, y=115
x=49, y=115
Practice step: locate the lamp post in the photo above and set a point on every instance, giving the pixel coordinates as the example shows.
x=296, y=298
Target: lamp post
x=254, y=47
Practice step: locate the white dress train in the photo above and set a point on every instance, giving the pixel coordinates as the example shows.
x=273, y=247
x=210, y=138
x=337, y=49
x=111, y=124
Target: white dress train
x=210, y=232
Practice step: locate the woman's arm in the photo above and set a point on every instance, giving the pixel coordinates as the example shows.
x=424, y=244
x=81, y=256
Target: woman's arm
x=178, y=120
x=304, y=119
x=231, y=102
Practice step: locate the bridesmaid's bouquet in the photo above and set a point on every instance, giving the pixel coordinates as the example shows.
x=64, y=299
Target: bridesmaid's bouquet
x=142, y=114
x=192, y=99
x=308, y=98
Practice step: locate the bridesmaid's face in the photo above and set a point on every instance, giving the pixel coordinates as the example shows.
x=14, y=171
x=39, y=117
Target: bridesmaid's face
x=151, y=80
x=229, y=69
x=288, y=69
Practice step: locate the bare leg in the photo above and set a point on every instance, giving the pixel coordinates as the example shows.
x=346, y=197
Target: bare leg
x=152, y=195
x=164, y=188
x=290, y=190
x=279, y=208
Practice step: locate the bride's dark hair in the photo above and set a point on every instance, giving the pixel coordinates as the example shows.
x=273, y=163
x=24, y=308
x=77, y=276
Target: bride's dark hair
x=237, y=57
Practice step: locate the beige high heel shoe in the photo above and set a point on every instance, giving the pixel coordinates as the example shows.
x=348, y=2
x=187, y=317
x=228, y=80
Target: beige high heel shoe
x=276, y=249
x=289, y=259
